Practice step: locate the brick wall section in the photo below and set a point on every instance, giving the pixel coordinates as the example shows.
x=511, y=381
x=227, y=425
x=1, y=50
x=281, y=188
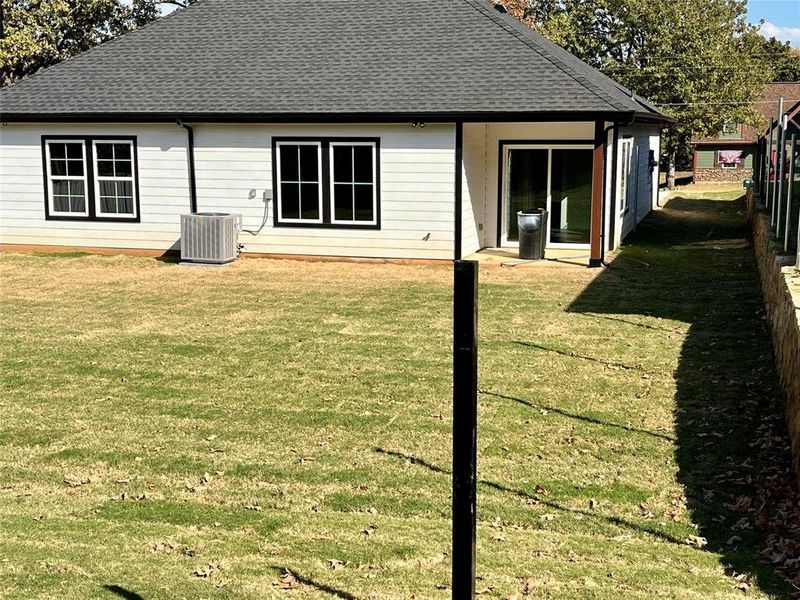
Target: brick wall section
x=723, y=174
x=780, y=283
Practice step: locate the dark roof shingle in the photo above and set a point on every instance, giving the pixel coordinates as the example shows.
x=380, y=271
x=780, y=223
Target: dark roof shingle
x=337, y=57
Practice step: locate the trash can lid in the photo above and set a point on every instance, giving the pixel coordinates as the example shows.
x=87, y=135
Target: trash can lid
x=531, y=211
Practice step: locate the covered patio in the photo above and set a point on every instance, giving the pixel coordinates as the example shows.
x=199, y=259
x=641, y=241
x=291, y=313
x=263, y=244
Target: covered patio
x=554, y=257
x=596, y=178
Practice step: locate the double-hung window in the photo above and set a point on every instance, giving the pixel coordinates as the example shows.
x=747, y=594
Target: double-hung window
x=327, y=182
x=90, y=178
x=299, y=167
x=113, y=178
x=66, y=178
x=628, y=175
x=353, y=183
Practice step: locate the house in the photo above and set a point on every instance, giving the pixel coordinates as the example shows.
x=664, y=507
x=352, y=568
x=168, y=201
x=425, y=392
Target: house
x=792, y=114
x=729, y=155
x=403, y=129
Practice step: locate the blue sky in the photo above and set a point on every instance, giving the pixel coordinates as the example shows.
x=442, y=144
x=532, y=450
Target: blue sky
x=782, y=19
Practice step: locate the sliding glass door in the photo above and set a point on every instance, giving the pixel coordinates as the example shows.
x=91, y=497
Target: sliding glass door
x=557, y=178
x=527, y=183
x=571, y=196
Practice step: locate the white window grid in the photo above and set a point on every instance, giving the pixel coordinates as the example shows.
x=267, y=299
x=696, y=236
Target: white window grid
x=353, y=182
x=318, y=181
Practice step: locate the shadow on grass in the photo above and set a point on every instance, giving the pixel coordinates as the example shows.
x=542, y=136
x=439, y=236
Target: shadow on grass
x=581, y=418
x=123, y=593
x=535, y=499
x=321, y=587
x=571, y=354
x=702, y=272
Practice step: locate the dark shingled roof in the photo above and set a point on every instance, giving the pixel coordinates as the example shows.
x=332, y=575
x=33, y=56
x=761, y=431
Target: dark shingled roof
x=270, y=58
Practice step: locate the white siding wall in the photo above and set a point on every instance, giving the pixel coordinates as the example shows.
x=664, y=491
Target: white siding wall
x=645, y=138
x=163, y=189
x=417, y=189
x=608, y=188
x=473, y=188
x=233, y=163
x=495, y=132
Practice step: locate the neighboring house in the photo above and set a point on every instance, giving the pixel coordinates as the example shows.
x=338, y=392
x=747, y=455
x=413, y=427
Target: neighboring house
x=792, y=113
x=729, y=155
x=402, y=129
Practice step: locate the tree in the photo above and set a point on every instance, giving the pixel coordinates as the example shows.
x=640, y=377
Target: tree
x=782, y=58
x=39, y=33
x=698, y=60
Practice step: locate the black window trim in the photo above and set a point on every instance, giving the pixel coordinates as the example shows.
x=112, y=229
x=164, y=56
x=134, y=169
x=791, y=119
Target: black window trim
x=325, y=181
x=90, y=178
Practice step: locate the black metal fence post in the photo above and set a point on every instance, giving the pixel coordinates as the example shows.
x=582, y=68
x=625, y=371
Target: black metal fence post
x=778, y=136
x=767, y=201
x=465, y=426
x=758, y=180
x=789, y=192
x=781, y=173
x=773, y=207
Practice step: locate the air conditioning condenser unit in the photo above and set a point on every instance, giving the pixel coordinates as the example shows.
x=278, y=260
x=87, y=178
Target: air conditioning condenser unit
x=209, y=237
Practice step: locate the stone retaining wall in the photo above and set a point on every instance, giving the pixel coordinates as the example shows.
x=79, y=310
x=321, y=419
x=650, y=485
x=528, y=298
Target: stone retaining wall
x=780, y=282
x=722, y=174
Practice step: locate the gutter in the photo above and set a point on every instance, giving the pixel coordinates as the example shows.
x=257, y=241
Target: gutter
x=322, y=117
x=192, y=176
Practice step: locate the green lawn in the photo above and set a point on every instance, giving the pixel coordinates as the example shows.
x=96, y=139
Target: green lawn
x=174, y=432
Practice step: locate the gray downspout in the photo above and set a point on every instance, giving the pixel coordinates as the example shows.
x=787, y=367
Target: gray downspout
x=192, y=177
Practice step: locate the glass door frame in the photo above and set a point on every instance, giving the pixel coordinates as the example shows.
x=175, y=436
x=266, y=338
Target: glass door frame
x=505, y=174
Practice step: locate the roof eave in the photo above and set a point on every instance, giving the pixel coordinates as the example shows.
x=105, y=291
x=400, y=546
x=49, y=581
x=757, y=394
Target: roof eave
x=649, y=117
x=399, y=117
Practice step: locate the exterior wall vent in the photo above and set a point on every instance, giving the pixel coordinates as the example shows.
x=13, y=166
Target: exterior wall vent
x=209, y=237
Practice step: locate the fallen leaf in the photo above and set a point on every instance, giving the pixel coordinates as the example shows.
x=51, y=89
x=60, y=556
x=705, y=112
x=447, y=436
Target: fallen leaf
x=287, y=581
x=222, y=582
x=734, y=540
x=697, y=541
x=76, y=481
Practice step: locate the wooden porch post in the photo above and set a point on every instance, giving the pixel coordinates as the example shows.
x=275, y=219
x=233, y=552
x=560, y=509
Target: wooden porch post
x=595, y=235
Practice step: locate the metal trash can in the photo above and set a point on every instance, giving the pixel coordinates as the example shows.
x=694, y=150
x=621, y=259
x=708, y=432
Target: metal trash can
x=532, y=224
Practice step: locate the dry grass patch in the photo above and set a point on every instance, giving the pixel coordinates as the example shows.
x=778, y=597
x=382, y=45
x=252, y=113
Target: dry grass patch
x=282, y=429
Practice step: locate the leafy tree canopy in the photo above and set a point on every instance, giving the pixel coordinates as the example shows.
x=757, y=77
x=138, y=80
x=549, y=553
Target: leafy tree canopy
x=783, y=60
x=39, y=33
x=698, y=60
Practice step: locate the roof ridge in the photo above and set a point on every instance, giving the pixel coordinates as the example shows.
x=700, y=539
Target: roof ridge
x=531, y=38
x=239, y=59
x=107, y=43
